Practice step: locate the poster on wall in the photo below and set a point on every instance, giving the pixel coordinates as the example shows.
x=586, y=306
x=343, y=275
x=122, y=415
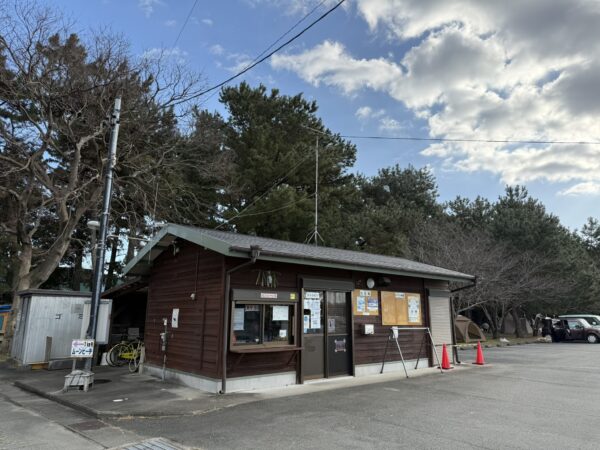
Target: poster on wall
x=400, y=308
x=312, y=305
x=414, y=308
x=365, y=302
x=281, y=312
x=306, y=322
x=238, y=319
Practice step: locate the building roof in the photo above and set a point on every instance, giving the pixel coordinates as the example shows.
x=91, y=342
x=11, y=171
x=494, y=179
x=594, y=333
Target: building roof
x=239, y=245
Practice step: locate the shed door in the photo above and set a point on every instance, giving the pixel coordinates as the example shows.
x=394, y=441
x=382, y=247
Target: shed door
x=440, y=323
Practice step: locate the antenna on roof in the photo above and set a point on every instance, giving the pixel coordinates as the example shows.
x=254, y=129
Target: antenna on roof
x=315, y=235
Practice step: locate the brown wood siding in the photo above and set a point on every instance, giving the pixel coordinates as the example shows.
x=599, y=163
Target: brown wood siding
x=370, y=348
x=288, y=278
x=194, y=345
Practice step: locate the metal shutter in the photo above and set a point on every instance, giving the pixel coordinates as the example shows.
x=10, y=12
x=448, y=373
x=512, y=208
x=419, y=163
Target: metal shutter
x=441, y=325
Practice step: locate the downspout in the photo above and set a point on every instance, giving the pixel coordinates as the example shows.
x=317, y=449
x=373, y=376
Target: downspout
x=453, y=314
x=254, y=254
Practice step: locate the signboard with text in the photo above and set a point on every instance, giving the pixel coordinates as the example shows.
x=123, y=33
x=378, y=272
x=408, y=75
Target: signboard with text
x=82, y=348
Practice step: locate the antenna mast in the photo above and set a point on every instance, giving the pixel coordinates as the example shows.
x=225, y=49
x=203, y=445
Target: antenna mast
x=315, y=234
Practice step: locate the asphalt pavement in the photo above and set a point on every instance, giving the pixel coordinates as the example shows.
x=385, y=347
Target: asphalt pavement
x=527, y=397
x=543, y=396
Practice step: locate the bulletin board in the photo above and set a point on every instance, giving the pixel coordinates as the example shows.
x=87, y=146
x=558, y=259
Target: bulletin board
x=401, y=308
x=365, y=302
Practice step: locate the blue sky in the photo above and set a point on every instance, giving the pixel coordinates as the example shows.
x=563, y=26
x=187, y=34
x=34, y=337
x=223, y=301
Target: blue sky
x=459, y=69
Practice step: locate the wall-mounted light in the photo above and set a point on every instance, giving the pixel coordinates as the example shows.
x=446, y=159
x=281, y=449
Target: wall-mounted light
x=370, y=283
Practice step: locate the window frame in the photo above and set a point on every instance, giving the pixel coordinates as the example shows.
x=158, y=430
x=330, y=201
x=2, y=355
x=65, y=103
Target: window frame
x=239, y=348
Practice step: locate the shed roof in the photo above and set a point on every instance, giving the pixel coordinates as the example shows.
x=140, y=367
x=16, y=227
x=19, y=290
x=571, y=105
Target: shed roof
x=239, y=245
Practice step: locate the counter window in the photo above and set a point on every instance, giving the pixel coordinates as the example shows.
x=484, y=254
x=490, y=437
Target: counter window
x=267, y=324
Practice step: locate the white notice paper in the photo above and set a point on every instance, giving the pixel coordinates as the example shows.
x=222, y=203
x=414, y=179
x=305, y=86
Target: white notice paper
x=281, y=312
x=175, y=318
x=238, y=319
x=414, y=308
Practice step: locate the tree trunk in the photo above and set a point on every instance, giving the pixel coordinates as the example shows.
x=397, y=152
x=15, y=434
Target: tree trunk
x=77, y=269
x=112, y=264
x=515, y=315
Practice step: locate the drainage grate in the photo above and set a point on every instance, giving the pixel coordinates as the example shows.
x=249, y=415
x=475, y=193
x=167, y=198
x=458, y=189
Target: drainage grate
x=152, y=444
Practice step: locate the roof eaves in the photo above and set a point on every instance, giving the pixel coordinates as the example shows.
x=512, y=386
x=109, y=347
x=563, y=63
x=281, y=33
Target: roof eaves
x=325, y=262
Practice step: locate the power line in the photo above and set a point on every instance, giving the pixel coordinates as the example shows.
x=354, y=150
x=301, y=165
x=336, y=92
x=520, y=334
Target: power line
x=185, y=22
x=293, y=27
x=268, y=55
x=277, y=183
x=277, y=40
x=491, y=141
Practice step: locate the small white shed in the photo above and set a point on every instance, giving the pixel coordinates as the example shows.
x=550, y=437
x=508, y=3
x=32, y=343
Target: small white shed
x=48, y=322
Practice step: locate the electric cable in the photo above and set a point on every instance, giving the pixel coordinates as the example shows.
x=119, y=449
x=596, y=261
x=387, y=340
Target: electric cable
x=434, y=139
x=488, y=141
x=277, y=183
x=185, y=23
x=264, y=58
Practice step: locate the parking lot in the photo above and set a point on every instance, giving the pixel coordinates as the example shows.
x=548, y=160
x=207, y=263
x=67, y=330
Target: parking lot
x=530, y=396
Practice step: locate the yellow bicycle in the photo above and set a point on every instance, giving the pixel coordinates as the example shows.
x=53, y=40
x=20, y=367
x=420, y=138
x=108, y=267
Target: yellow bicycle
x=126, y=353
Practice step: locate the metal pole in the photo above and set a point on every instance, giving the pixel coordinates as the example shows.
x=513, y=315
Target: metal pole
x=101, y=244
x=317, y=192
x=435, y=350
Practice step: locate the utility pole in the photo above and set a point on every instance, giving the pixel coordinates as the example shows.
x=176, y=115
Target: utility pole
x=101, y=243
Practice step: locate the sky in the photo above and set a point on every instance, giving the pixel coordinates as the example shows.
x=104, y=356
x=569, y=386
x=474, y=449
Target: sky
x=456, y=69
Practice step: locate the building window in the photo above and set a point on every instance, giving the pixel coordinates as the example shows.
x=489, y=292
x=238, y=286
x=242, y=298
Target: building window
x=262, y=324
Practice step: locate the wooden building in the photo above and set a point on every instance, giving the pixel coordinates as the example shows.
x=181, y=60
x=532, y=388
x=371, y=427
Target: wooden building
x=242, y=312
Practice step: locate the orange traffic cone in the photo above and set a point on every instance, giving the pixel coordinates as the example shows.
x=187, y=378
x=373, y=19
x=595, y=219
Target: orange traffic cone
x=445, y=360
x=479, y=361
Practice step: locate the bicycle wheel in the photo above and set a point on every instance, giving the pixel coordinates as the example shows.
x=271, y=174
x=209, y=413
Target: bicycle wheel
x=119, y=354
x=109, y=355
x=134, y=363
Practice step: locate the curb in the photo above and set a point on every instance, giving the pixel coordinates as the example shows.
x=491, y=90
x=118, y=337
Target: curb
x=75, y=406
x=474, y=346
x=94, y=413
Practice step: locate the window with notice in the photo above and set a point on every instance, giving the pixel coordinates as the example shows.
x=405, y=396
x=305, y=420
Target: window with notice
x=262, y=324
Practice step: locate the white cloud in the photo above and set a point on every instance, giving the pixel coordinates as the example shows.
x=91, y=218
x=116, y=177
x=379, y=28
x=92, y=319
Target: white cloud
x=208, y=22
x=487, y=70
x=170, y=23
x=216, y=49
x=296, y=7
x=240, y=61
x=158, y=53
x=147, y=6
x=587, y=188
x=366, y=112
x=389, y=124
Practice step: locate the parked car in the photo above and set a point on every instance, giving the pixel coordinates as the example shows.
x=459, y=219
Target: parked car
x=573, y=329
x=592, y=319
